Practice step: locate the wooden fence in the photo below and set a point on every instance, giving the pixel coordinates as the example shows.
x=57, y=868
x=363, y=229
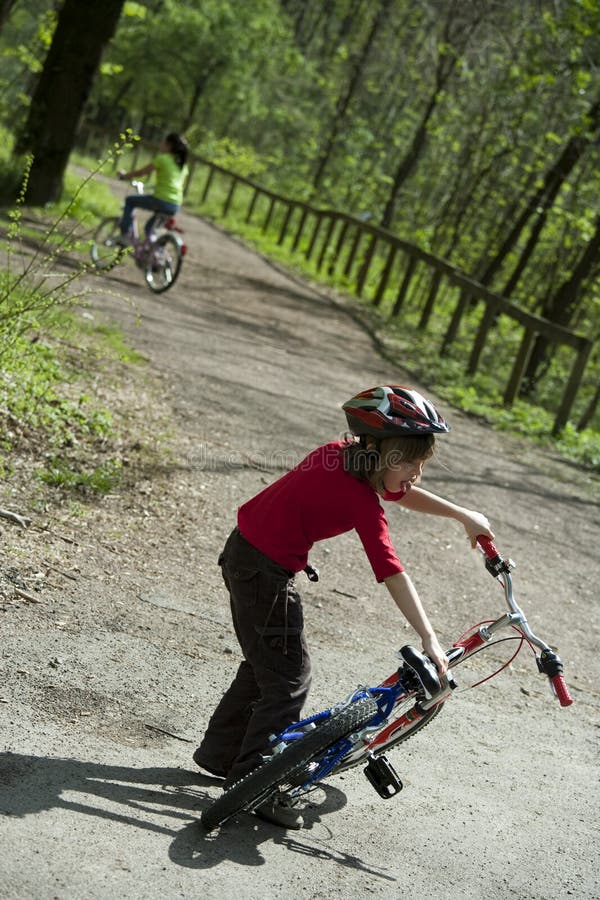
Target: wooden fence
x=342, y=242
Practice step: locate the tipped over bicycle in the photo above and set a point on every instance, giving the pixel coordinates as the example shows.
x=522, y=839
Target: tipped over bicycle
x=360, y=729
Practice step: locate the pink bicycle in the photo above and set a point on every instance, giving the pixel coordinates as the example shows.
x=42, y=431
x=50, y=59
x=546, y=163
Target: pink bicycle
x=371, y=720
x=159, y=256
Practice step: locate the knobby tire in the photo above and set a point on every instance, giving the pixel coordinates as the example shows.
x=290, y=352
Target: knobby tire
x=262, y=782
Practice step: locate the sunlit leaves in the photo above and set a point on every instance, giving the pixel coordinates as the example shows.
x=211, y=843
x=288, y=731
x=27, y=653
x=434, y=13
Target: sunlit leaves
x=134, y=10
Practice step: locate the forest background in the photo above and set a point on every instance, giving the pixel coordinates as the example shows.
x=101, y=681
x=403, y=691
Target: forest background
x=467, y=127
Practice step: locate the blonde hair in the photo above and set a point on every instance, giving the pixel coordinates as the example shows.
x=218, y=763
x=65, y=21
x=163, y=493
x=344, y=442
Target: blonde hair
x=369, y=459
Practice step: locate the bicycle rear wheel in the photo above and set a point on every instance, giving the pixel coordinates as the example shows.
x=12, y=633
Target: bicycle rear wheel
x=105, y=250
x=262, y=782
x=163, y=263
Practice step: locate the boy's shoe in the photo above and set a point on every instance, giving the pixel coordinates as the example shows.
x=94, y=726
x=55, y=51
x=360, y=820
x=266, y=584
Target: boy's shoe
x=123, y=240
x=278, y=813
x=212, y=770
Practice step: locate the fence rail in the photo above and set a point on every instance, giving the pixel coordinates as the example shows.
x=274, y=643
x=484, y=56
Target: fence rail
x=338, y=239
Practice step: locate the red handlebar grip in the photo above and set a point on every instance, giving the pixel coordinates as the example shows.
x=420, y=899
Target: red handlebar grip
x=488, y=546
x=562, y=691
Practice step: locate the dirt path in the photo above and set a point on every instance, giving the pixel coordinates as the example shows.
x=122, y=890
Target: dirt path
x=108, y=679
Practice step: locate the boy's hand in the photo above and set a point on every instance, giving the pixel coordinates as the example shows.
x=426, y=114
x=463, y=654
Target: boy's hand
x=476, y=523
x=433, y=649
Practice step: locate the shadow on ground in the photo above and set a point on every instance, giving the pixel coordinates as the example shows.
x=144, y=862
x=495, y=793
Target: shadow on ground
x=142, y=798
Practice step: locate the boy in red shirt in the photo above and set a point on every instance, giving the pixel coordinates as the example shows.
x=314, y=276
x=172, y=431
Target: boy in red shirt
x=335, y=489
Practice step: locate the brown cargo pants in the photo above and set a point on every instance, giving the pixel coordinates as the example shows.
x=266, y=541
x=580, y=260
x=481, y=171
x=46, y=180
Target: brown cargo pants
x=272, y=682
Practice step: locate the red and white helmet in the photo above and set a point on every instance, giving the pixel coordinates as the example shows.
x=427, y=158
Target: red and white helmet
x=393, y=411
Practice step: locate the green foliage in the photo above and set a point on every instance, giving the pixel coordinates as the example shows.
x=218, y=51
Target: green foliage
x=46, y=350
x=33, y=398
x=228, y=153
x=99, y=480
x=23, y=46
x=11, y=168
x=29, y=287
x=113, y=341
x=87, y=204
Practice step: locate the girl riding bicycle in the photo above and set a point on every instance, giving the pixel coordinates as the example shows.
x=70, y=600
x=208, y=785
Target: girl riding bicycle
x=336, y=488
x=171, y=171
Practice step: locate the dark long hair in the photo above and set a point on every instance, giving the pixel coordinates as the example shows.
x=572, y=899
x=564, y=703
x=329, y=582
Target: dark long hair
x=179, y=148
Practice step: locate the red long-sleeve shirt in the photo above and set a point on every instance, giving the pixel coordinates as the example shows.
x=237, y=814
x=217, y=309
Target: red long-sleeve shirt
x=317, y=500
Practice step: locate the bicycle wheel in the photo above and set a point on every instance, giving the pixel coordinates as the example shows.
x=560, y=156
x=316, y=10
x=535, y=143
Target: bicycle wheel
x=105, y=250
x=261, y=783
x=387, y=737
x=163, y=263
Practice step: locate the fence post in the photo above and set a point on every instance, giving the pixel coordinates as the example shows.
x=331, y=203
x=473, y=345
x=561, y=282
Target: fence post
x=562, y=415
x=412, y=262
x=286, y=221
x=457, y=315
x=252, y=204
x=190, y=175
x=229, y=197
x=429, y=303
x=385, y=275
x=518, y=369
x=328, y=233
x=300, y=228
x=338, y=247
x=314, y=236
x=353, y=249
x=209, y=178
x=364, y=269
x=267, y=221
x=487, y=319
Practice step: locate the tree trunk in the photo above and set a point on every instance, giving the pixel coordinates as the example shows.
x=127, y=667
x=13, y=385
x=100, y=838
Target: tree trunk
x=545, y=196
x=446, y=63
x=562, y=305
x=408, y=162
x=82, y=31
x=5, y=11
x=590, y=411
x=212, y=66
x=344, y=100
x=534, y=237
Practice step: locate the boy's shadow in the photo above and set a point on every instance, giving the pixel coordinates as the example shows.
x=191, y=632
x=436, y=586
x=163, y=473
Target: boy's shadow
x=32, y=784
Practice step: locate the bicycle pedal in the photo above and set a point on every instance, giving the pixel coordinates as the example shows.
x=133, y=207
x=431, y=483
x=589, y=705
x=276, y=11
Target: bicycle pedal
x=384, y=778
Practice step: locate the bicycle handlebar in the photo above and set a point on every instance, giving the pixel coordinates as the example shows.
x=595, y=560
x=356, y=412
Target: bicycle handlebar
x=548, y=662
x=561, y=690
x=551, y=665
x=488, y=546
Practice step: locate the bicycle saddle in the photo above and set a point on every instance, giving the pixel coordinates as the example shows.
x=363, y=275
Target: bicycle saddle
x=423, y=668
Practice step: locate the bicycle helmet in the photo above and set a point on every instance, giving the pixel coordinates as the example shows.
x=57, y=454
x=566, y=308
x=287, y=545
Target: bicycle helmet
x=393, y=411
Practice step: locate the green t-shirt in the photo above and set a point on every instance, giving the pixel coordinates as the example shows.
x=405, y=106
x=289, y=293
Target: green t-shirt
x=169, y=178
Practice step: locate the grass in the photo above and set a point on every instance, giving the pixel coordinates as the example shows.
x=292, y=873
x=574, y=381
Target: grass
x=48, y=404
x=98, y=480
x=52, y=358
